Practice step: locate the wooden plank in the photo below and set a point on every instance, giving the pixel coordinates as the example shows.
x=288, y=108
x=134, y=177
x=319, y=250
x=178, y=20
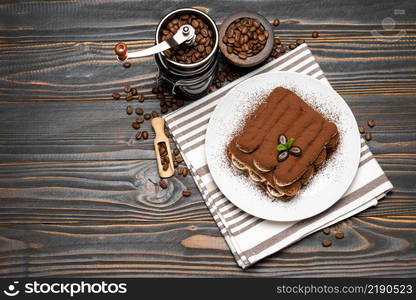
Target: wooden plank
x=373, y=247
x=102, y=131
x=108, y=192
x=111, y=20
x=88, y=71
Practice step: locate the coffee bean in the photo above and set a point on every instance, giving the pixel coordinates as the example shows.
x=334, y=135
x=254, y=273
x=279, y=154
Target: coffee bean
x=145, y=135
x=292, y=46
x=179, y=159
x=116, y=96
x=371, y=123
x=186, y=193
x=129, y=97
x=133, y=91
x=140, y=119
x=300, y=42
x=277, y=41
x=315, y=34
x=138, y=135
x=155, y=90
x=339, y=235
x=127, y=89
x=127, y=64
x=129, y=110
x=368, y=136
x=296, y=151
x=141, y=98
x=326, y=243
x=185, y=172
x=164, y=109
x=282, y=139
x=180, y=102
x=163, y=184
x=283, y=156
x=139, y=111
x=147, y=116
x=155, y=114
x=327, y=230
x=361, y=129
x=165, y=166
x=276, y=22
x=176, y=151
x=135, y=125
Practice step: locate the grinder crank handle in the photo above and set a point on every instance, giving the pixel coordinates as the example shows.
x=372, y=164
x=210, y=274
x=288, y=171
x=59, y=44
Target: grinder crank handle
x=185, y=34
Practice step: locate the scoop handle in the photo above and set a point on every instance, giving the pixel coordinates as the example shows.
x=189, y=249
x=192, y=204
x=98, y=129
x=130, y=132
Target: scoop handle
x=158, y=125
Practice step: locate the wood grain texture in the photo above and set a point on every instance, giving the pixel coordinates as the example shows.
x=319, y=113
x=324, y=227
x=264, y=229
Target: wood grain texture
x=371, y=247
x=76, y=191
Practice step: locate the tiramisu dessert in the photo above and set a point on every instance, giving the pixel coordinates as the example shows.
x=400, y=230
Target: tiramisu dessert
x=283, y=143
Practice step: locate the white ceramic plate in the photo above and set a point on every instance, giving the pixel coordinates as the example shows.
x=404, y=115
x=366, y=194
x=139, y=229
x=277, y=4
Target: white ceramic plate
x=324, y=189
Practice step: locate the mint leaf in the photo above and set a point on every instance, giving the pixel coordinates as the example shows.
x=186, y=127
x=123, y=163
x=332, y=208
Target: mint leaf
x=282, y=147
x=289, y=143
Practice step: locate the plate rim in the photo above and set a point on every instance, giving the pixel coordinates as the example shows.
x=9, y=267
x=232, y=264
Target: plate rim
x=282, y=73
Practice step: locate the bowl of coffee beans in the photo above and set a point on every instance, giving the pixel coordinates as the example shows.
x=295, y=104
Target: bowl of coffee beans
x=246, y=39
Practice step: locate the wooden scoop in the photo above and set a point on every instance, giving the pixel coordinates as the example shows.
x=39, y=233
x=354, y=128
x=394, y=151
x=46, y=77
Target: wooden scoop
x=165, y=169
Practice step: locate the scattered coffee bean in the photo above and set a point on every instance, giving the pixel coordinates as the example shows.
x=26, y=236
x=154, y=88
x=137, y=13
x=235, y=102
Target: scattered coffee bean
x=361, y=129
x=175, y=164
x=315, y=34
x=129, y=97
x=292, y=46
x=276, y=22
x=164, y=109
x=368, y=136
x=371, y=123
x=163, y=184
x=139, y=119
x=339, y=235
x=133, y=91
x=326, y=243
x=180, y=170
x=160, y=96
x=327, y=230
x=300, y=41
x=155, y=114
x=244, y=38
x=139, y=111
x=154, y=90
x=185, y=172
x=147, y=116
x=141, y=98
x=145, y=135
x=129, y=110
x=135, y=125
x=186, y=193
x=176, y=151
x=127, y=64
x=127, y=89
x=138, y=135
x=277, y=41
x=116, y=96
x=179, y=159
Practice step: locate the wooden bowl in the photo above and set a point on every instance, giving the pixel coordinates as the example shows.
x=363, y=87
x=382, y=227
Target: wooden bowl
x=253, y=60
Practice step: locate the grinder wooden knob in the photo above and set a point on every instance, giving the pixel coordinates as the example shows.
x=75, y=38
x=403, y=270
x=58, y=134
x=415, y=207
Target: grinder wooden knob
x=121, y=50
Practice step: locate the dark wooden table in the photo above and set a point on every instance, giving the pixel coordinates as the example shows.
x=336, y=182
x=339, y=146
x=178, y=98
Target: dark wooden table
x=75, y=195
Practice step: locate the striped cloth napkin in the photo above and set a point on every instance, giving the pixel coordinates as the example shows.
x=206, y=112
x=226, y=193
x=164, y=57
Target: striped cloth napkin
x=250, y=238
